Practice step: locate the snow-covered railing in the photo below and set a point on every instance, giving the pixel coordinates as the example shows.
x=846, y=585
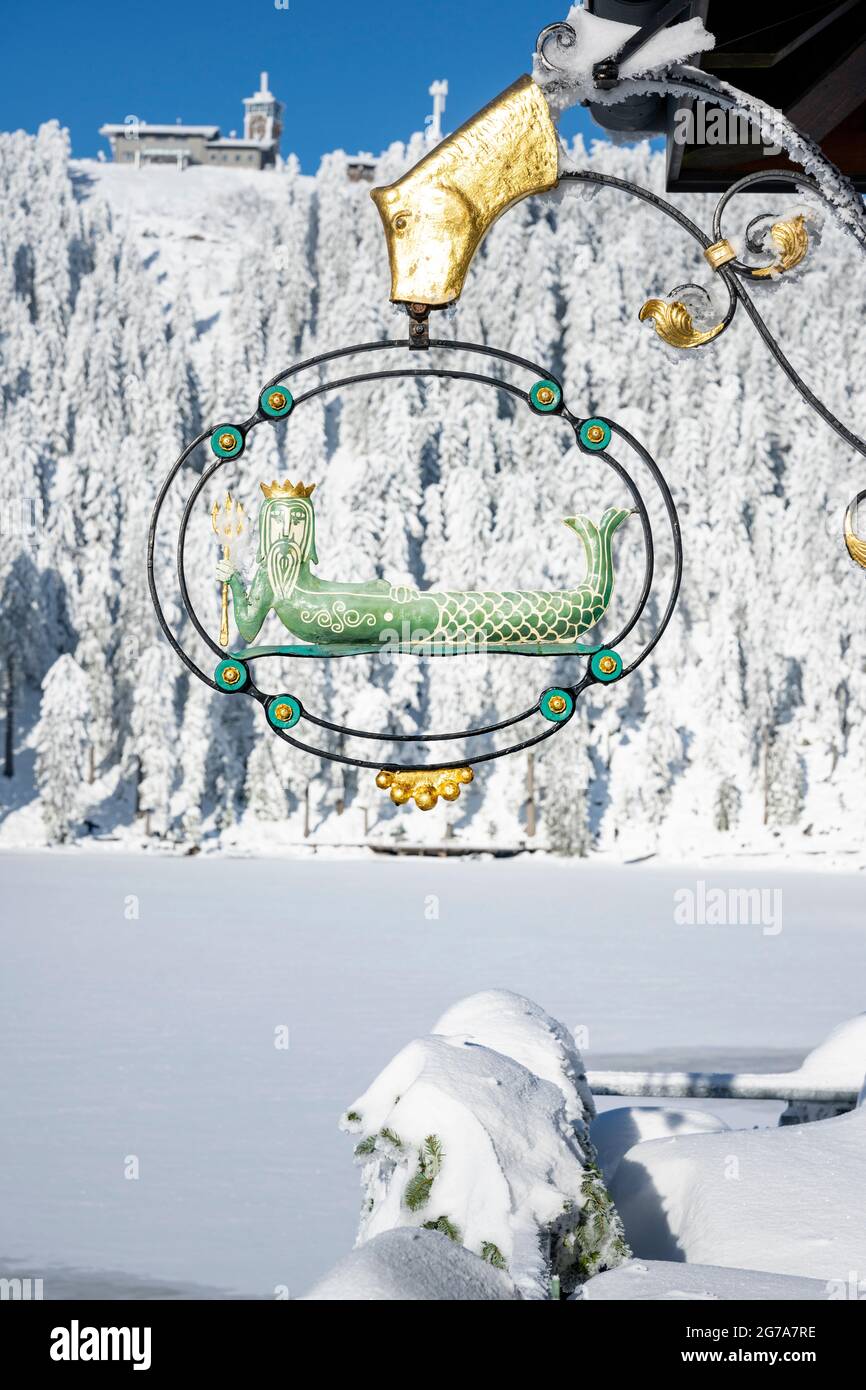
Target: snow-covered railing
x=718, y=1086
x=831, y=1074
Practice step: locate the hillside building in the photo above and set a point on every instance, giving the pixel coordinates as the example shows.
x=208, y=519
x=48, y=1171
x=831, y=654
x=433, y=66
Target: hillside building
x=139, y=143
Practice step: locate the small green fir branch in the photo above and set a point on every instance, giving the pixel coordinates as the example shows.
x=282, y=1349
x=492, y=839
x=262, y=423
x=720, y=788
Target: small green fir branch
x=493, y=1255
x=432, y=1156
x=417, y=1192
x=447, y=1227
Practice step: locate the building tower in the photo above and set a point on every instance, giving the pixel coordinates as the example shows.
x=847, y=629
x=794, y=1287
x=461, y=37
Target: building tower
x=438, y=91
x=263, y=114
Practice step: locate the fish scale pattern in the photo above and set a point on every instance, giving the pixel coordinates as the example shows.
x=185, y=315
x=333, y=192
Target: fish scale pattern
x=534, y=615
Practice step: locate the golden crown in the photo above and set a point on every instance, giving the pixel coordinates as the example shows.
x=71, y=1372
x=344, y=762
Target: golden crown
x=287, y=489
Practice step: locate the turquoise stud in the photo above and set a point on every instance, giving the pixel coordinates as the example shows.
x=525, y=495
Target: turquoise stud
x=545, y=396
x=606, y=665
x=284, y=711
x=556, y=704
x=594, y=435
x=276, y=401
x=227, y=442
x=231, y=675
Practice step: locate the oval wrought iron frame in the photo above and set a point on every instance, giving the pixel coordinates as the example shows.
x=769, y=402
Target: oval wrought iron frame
x=575, y=422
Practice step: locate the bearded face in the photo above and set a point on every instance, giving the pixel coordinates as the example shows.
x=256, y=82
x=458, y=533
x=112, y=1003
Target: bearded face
x=286, y=540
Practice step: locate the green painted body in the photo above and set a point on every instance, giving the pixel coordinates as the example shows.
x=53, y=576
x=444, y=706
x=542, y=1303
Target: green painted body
x=337, y=617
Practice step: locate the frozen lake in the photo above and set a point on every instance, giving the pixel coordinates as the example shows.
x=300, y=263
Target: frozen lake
x=150, y=1040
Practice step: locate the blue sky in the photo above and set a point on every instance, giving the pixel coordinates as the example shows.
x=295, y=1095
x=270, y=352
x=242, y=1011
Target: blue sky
x=353, y=73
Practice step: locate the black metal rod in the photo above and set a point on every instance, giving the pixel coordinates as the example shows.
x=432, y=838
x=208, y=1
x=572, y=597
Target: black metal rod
x=421, y=738
x=151, y=577
x=552, y=728
x=500, y=354
x=676, y=535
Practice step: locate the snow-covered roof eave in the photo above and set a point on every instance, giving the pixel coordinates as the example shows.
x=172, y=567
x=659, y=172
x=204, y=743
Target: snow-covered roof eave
x=209, y=132
x=229, y=144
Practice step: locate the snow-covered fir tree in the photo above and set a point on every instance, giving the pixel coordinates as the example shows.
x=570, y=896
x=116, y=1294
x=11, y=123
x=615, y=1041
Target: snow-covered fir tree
x=62, y=742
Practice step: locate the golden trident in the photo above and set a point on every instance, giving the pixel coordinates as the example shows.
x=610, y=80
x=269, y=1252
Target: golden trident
x=228, y=522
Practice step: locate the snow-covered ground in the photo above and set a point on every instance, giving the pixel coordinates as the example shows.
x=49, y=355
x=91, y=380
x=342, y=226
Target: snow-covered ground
x=142, y=1001
x=659, y=1279
x=789, y=1200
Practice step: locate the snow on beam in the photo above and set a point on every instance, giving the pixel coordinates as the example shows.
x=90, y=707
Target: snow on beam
x=831, y=1073
x=716, y=1086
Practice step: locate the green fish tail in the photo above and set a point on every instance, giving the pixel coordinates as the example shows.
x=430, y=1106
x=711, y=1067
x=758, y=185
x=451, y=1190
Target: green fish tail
x=597, y=547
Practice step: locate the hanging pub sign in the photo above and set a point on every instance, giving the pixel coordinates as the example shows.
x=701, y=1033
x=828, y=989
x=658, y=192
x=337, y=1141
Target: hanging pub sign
x=434, y=218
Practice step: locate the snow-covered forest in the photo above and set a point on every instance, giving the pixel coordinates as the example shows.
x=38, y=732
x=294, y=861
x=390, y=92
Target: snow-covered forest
x=137, y=307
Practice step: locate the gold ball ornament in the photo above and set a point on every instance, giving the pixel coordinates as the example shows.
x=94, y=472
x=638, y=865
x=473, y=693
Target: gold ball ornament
x=449, y=790
x=465, y=775
x=426, y=798
x=384, y=780
x=400, y=794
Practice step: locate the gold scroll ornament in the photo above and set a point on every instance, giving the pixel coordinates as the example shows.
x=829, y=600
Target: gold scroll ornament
x=672, y=319
x=791, y=239
x=674, y=323
x=855, y=545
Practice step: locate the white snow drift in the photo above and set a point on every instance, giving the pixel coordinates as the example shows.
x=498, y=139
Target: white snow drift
x=616, y=1131
x=787, y=1201
x=412, y=1265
